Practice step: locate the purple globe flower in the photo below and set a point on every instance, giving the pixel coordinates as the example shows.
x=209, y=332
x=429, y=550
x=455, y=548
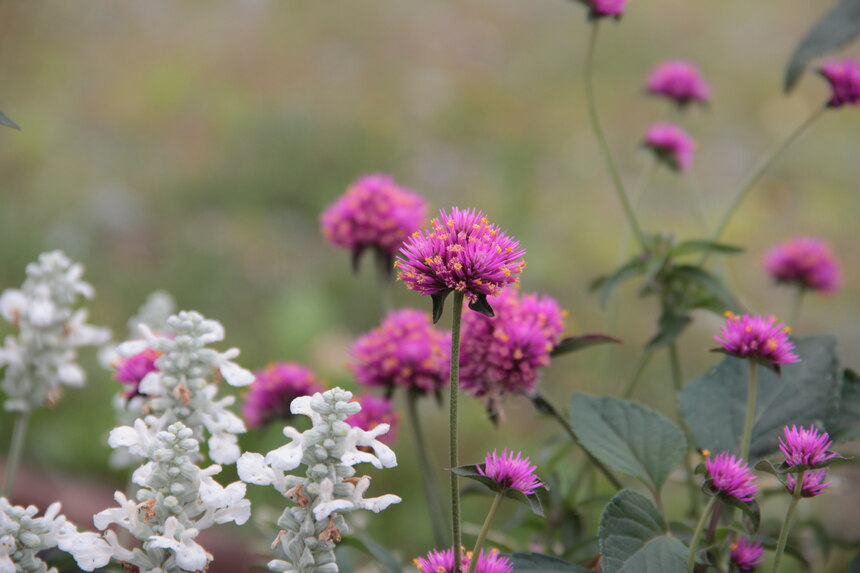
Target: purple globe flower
x=746, y=554
x=757, y=337
x=274, y=388
x=443, y=562
x=406, y=351
x=730, y=476
x=461, y=252
x=376, y=410
x=132, y=370
x=373, y=213
x=671, y=145
x=605, y=8
x=511, y=472
x=679, y=81
x=844, y=79
x=806, y=262
x=813, y=483
x=803, y=447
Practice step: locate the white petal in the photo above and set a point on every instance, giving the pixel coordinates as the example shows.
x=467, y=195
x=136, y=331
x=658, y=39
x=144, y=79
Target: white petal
x=41, y=312
x=223, y=448
x=89, y=549
x=377, y=504
x=323, y=510
x=287, y=457
x=71, y=374
x=12, y=304
x=235, y=375
x=302, y=405
x=253, y=469
x=151, y=384
x=216, y=331
x=141, y=475
x=132, y=347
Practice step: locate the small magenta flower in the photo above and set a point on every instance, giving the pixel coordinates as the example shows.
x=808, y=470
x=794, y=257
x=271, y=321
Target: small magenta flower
x=813, y=483
x=462, y=252
x=273, y=390
x=671, y=145
x=511, y=472
x=803, y=447
x=730, y=476
x=376, y=410
x=679, y=81
x=443, y=562
x=757, y=337
x=806, y=262
x=405, y=351
x=746, y=554
x=132, y=370
x=844, y=79
x=373, y=213
x=605, y=8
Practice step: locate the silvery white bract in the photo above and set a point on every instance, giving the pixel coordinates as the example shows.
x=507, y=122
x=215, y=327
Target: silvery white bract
x=179, y=388
x=50, y=329
x=329, y=450
x=176, y=501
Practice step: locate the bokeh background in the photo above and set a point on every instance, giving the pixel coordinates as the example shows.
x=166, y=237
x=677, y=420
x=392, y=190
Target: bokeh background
x=191, y=146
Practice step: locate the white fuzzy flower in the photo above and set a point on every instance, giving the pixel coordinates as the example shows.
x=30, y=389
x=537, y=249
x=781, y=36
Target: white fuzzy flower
x=89, y=549
x=189, y=555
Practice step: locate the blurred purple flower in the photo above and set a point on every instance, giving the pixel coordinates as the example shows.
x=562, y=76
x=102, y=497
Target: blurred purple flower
x=443, y=562
x=803, y=447
x=679, y=81
x=746, y=555
x=605, y=8
x=806, y=262
x=758, y=337
x=731, y=476
x=274, y=388
x=844, y=79
x=813, y=483
x=375, y=410
x=671, y=145
x=132, y=370
x=511, y=472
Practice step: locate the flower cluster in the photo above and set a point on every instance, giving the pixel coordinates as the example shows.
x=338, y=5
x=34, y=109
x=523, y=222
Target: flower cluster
x=329, y=488
x=405, y=351
x=730, y=476
x=176, y=501
x=680, y=82
x=376, y=410
x=757, y=337
x=605, y=8
x=746, y=554
x=671, y=145
x=274, y=388
x=805, y=262
x=443, y=562
x=844, y=79
x=50, y=329
x=809, y=449
x=511, y=472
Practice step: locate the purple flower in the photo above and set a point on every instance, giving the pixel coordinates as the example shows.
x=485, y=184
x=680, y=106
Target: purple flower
x=805, y=447
x=746, y=554
x=133, y=369
x=730, y=476
x=844, y=78
x=812, y=484
x=374, y=212
x=671, y=145
x=461, y=252
x=443, y=562
x=511, y=472
x=679, y=81
x=375, y=410
x=605, y=8
x=405, y=350
x=274, y=388
x=754, y=336
x=505, y=353
x=806, y=262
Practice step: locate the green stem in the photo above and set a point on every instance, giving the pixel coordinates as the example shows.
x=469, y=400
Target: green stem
x=497, y=501
x=16, y=448
x=637, y=373
x=431, y=491
x=786, y=525
x=750, y=416
x=697, y=536
x=453, y=452
x=601, y=138
x=794, y=314
x=677, y=383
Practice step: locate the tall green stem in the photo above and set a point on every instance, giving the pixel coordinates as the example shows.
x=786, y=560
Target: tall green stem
x=750, y=416
x=431, y=491
x=497, y=501
x=794, y=313
x=453, y=452
x=601, y=138
x=786, y=525
x=16, y=449
x=677, y=383
x=697, y=535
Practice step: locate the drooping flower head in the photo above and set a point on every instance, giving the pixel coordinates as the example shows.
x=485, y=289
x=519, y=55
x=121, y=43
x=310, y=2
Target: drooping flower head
x=730, y=476
x=813, y=483
x=671, y=145
x=511, y=472
x=605, y=8
x=461, y=252
x=274, y=388
x=758, y=337
x=443, y=562
x=405, y=351
x=375, y=213
x=844, y=79
x=746, y=554
x=803, y=447
x=806, y=262
x=132, y=370
x=679, y=81
x=376, y=410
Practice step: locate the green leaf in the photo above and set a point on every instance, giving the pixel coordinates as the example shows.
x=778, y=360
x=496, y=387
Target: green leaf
x=670, y=327
x=628, y=524
x=846, y=426
x=7, y=121
x=749, y=508
x=628, y=437
x=532, y=501
x=707, y=282
x=575, y=343
x=806, y=393
x=854, y=566
x=839, y=27
x=704, y=246
x=375, y=550
x=663, y=554
x=439, y=304
x=480, y=305
x=536, y=563
x=608, y=283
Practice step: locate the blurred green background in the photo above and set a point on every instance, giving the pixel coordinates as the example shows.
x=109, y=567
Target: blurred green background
x=191, y=146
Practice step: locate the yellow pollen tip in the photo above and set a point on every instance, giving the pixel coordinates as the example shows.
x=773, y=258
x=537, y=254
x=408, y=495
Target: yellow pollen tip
x=706, y=453
x=729, y=314
x=787, y=330
x=733, y=547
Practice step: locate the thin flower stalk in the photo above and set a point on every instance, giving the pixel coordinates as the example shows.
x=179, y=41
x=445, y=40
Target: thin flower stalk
x=485, y=529
x=786, y=524
x=749, y=418
x=453, y=452
x=697, y=534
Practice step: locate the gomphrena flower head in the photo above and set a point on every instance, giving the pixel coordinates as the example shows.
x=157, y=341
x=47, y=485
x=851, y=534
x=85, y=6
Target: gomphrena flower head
x=374, y=213
x=273, y=390
x=813, y=482
x=443, y=562
x=376, y=410
x=803, y=447
x=404, y=351
x=461, y=252
x=730, y=476
x=844, y=79
x=806, y=262
x=757, y=337
x=671, y=145
x=511, y=472
x=679, y=81
x=604, y=8
x=132, y=370
x=746, y=554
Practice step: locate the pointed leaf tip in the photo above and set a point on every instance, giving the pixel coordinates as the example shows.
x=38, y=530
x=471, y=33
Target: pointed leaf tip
x=481, y=305
x=438, y=304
